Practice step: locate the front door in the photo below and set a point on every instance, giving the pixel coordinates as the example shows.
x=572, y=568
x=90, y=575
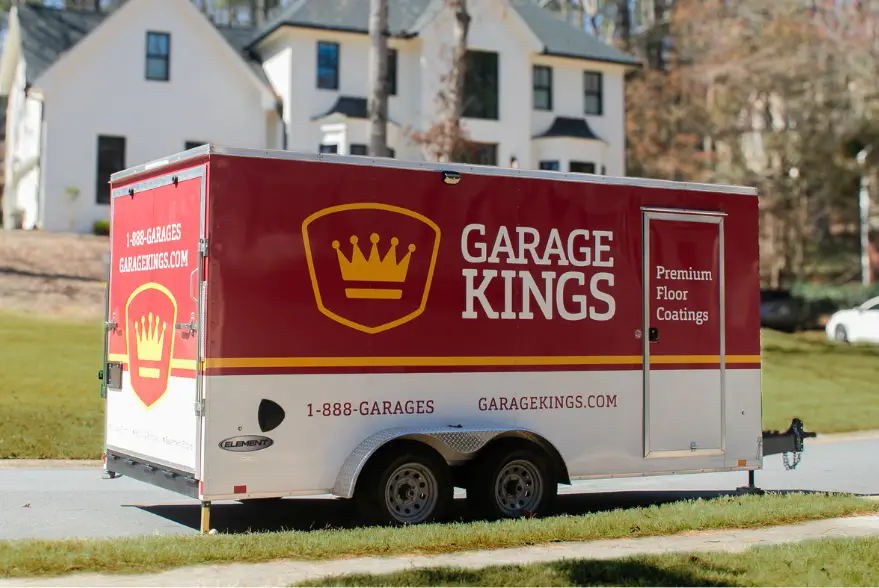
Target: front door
x=683, y=333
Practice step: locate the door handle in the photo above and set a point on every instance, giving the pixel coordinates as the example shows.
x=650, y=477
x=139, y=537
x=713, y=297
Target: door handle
x=191, y=295
x=653, y=334
x=187, y=328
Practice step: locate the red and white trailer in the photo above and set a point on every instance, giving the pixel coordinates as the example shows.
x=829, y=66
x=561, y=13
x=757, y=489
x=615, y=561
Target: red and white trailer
x=288, y=324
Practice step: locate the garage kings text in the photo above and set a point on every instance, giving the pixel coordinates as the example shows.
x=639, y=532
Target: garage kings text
x=574, y=286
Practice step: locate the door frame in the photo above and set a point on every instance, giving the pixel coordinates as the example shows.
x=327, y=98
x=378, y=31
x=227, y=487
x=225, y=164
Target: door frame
x=693, y=216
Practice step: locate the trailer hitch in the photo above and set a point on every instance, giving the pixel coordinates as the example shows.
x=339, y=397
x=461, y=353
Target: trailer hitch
x=775, y=442
x=791, y=441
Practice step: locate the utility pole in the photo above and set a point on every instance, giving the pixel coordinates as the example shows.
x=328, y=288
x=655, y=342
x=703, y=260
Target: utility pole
x=864, y=204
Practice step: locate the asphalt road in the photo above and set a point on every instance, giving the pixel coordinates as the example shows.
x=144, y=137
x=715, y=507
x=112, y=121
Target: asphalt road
x=62, y=503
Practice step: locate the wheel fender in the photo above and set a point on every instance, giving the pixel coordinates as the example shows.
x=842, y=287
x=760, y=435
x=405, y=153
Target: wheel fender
x=453, y=443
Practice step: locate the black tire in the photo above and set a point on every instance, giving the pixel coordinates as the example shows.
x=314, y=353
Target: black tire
x=404, y=483
x=841, y=334
x=512, y=481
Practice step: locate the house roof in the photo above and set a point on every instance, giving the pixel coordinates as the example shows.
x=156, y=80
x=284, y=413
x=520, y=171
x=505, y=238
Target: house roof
x=349, y=106
x=575, y=128
x=47, y=33
x=355, y=107
x=406, y=17
x=561, y=38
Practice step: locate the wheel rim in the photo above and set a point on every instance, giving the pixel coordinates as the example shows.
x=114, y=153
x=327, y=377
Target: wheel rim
x=411, y=493
x=518, y=488
x=840, y=333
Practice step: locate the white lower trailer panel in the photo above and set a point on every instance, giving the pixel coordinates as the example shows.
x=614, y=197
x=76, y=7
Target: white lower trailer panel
x=595, y=419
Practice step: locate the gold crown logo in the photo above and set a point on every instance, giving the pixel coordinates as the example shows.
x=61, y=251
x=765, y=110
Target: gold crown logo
x=149, y=343
x=374, y=269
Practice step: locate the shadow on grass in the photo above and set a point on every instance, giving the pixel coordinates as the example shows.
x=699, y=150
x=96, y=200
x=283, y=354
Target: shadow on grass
x=562, y=573
x=304, y=514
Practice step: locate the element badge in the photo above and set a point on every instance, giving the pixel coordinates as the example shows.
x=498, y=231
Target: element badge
x=371, y=265
x=150, y=314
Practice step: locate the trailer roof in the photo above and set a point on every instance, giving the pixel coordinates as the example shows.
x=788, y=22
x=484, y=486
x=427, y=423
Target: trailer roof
x=486, y=170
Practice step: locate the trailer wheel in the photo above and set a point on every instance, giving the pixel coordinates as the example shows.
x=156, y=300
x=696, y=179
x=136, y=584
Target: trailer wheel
x=511, y=482
x=404, y=484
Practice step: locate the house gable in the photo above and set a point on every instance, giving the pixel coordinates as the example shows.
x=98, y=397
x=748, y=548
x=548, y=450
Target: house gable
x=409, y=18
x=52, y=37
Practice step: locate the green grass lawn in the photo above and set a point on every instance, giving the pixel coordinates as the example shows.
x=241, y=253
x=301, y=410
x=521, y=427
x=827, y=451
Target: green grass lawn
x=832, y=387
x=825, y=562
x=50, y=405
x=150, y=553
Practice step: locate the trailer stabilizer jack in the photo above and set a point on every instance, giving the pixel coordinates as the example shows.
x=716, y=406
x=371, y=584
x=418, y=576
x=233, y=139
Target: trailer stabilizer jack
x=774, y=442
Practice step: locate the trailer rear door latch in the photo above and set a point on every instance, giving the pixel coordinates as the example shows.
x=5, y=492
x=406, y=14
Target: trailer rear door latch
x=187, y=328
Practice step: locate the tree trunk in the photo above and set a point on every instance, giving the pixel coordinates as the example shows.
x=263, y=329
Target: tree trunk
x=457, y=77
x=378, y=78
x=624, y=25
x=258, y=12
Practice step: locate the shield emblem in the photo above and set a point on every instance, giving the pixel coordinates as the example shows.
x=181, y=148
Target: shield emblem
x=371, y=265
x=150, y=314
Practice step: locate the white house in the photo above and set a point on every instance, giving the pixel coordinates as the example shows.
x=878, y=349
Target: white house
x=89, y=94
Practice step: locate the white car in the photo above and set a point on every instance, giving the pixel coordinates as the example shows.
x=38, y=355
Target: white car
x=856, y=325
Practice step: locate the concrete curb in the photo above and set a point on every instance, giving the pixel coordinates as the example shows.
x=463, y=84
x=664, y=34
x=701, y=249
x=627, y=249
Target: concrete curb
x=842, y=437
x=287, y=572
x=50, y=464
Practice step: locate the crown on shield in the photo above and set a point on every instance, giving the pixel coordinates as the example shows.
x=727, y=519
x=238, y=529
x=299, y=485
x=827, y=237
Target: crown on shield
x=149, y=340
x=374, y=269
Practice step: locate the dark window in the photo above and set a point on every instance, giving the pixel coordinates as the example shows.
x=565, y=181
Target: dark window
x=391, y=153
x=392, y=72
x=111, y=159
x=361, y=149
x=549, y=165
x=327, y=65
x=604, y=170
x=481, y=85
x=329, y=148
x=478, y=153
x=158, y=56
x=193, y=144
x=582, y=167
x=592, y=98
x=542, y=87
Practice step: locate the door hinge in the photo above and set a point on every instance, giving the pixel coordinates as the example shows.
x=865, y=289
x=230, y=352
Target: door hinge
x=110, y=325
x=203, y=247
x=199, y=407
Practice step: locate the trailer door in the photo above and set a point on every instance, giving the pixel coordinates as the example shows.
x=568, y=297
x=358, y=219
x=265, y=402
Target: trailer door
x=154, y=335
x=683, y=338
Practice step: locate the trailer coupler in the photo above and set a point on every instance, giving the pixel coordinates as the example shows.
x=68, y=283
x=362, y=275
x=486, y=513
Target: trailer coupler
x=775, y=442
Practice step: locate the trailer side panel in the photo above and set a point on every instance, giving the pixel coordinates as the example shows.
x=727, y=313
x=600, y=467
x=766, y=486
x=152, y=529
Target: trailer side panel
x=348, y=299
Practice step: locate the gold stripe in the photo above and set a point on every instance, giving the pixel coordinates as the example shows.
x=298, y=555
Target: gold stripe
x=177, y=364
x=373, y=294
x=324, y=362
x=704, y=359
x=147, y=372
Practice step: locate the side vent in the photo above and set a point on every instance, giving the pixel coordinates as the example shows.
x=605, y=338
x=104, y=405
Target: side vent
x=270, y=415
